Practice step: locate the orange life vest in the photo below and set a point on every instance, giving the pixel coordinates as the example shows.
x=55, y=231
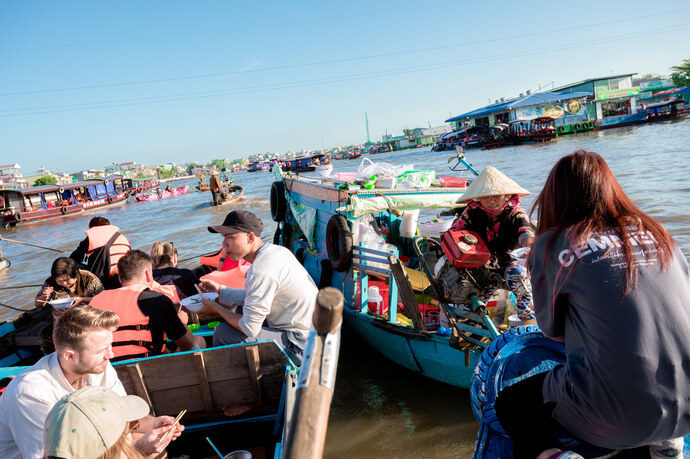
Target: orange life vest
x=214, y=261
x=100, y=235
x=133, y=338
x=168, y=290
x=235, y=278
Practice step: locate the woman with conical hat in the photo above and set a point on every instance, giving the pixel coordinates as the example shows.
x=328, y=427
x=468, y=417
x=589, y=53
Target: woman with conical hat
x=493, y=213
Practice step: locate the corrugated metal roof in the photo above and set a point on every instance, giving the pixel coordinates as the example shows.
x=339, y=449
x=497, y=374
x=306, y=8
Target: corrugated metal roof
x=526, y=101
x=589, y=80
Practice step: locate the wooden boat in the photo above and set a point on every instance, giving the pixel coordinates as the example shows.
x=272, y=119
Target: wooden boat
x=49, y=201
x=163, y=195
x=305, y=164
x=274, y=414
x=496, y=136
x=140, y=185
x=20, y=342
x=316, y=219
x=513, y=356
x=230, y=195
x=666, y=110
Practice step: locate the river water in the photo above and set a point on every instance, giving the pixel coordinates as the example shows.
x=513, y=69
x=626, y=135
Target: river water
x=379, y=409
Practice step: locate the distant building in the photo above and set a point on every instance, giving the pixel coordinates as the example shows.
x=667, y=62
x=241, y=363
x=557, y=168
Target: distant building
x=10, y=177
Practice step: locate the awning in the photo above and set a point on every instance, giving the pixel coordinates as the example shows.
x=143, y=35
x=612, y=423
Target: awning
x=539, y=98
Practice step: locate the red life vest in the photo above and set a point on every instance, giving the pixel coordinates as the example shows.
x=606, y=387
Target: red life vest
x=235, y=278
x=168, y=290
x=133, y=338
x=214, y=261
x=100, y=235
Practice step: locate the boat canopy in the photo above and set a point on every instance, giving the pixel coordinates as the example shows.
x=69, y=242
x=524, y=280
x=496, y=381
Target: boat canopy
x=539, y=98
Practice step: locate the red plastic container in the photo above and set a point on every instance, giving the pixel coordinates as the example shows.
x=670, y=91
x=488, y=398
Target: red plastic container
x=465, y=249
x=453, y=182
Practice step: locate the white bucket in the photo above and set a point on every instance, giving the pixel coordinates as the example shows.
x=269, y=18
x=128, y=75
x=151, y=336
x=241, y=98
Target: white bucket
x=408, y=228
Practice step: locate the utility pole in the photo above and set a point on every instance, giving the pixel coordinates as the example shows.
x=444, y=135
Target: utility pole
x=366, y=118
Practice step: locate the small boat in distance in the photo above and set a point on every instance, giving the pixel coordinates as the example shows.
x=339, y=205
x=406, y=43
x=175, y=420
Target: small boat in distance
x=229, y=195
x=49, y=201
x=163, y=195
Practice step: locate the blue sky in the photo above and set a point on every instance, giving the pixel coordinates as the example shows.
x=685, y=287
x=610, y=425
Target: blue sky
x=84, y=84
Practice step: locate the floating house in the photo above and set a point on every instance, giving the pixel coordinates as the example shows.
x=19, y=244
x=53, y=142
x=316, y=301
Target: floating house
x=599, y=103
x=566, y=108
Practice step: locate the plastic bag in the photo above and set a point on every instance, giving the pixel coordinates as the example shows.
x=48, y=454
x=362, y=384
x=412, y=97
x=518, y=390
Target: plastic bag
x=366, y=230
x=416, y=179
x=366, y=171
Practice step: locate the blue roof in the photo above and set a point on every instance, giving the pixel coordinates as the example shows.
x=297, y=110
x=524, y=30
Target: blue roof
x=525, y=101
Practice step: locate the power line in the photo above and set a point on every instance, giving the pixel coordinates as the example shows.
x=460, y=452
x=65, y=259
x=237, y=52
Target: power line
x=328, y=80
x=336, y=61
x=247, y=27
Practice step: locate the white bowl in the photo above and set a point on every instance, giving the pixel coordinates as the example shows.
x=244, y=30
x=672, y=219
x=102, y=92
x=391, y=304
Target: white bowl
x=194, y=304
x=437, y=226
x=62, y=303
x=514, y=320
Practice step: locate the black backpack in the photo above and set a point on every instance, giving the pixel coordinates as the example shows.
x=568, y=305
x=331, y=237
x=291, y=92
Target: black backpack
x=99, y=260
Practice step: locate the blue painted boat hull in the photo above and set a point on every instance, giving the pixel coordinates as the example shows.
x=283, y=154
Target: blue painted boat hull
x=428, y=355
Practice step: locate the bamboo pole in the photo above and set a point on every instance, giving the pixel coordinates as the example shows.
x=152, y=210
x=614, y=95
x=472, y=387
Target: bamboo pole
x=28, y=243
x=307, y=432
x=12, y=307
x=22, y=286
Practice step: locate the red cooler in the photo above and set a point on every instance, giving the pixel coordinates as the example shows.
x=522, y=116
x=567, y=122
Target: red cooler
x=465, y=249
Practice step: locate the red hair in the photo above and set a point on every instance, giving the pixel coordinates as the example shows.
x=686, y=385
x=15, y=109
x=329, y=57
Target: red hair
x=582, y=197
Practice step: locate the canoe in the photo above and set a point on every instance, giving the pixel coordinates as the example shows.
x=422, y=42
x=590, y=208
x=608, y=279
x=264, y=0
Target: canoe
x=232, y=194
x=20, y=342
x=515, y=355
x=256, y=379
x=164, y=195
x=316, y=219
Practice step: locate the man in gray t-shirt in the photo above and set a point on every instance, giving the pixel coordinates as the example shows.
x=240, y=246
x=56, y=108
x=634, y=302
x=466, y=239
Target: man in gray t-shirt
x=626, y=382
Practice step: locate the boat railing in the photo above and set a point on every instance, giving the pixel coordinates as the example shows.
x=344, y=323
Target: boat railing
x=368, y=260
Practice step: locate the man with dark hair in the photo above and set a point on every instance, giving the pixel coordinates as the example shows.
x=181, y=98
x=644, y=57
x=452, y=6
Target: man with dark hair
x=83, y=337
x=100, y=251
x=146, y=317
x=278, y=290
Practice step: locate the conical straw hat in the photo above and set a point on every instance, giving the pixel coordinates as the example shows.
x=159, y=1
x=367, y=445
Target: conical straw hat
x=491, y=182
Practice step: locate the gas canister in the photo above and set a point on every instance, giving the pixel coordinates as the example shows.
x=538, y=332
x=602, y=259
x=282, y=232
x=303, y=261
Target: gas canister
x=464, y=249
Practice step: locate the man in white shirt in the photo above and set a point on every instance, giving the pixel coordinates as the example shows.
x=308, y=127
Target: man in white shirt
x=279, y=294
x=83, y=338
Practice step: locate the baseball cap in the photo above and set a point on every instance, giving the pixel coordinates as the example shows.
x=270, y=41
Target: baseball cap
x=85, y=423
x=239, y=221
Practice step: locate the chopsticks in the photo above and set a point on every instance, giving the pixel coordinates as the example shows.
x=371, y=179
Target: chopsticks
x=172, y=426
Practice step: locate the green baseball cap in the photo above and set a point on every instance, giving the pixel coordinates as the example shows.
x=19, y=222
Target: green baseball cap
x=85, y=423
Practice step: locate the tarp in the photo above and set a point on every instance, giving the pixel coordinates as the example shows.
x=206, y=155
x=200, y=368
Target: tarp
x=360, y=206
x=539, y=98
x=305, y=216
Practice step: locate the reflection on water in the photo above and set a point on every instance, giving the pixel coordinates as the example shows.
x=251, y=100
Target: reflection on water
x=379, y=409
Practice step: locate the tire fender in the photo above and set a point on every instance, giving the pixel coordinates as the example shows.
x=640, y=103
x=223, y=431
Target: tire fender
x=61, y=190
x=63, y=210
x=110, y=199
x=339, y=243
x=18, y=216
x=278, y=202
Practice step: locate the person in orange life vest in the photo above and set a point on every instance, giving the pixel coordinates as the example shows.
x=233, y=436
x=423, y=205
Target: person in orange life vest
x=146, y=316
x=99, y=234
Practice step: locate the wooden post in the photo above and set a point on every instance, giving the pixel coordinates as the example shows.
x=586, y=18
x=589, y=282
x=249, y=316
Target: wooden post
x=307, y=433
x=406, y=293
